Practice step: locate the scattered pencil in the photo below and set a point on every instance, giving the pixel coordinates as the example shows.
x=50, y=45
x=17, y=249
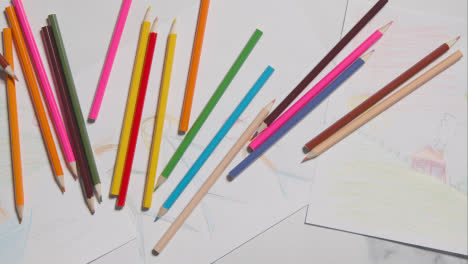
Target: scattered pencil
x=160, y=117
x=222, y=132
x=262, y=137
x=211, y=180
x=107, y=68
x=210, y=106
x=340, y=79
x=35, y=95
x=44, y=83
x=131, y=102
x=383, y=105
x=321, y=65
x=14, y=128
x=67, y=109
x=382, y=93
x=138, y=113
x=75, y=104
x=193, y=72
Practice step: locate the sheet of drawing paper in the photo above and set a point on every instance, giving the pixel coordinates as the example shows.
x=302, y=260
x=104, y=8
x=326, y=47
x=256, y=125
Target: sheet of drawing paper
x=270, y=190
x=402, y=176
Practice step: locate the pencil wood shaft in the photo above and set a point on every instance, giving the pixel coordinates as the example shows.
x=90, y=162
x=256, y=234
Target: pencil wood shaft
x=211, y=180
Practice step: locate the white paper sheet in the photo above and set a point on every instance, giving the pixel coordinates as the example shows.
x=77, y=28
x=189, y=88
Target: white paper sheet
x=403, y=175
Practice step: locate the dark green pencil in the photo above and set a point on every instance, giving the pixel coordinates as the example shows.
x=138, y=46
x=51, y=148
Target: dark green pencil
x=76, y=105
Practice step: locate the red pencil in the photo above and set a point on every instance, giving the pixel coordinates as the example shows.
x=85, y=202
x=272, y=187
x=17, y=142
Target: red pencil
x=137, y=116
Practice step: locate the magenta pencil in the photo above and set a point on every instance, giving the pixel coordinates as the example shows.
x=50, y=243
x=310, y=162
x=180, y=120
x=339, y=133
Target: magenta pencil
x=106, y=70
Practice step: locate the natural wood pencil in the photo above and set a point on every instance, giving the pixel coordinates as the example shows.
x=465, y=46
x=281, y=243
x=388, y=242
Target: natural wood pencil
x=244, y=138
x=384, y=105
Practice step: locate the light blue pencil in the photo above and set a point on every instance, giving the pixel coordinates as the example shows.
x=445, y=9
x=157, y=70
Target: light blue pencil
x=215, y=141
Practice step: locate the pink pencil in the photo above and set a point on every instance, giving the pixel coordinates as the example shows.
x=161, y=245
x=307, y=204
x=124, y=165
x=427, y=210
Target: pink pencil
x=318, y=87
x=106, y=70
x=46, y=89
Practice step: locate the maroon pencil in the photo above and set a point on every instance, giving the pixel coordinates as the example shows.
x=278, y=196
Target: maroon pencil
x=321, y=65
x=67, y=113
x=6, y=67
x=386, y=90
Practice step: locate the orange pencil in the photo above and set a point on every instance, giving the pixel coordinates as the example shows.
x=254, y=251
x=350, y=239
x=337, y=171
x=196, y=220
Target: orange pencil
x=14, y=131
x=192, y=77
x=36, y=97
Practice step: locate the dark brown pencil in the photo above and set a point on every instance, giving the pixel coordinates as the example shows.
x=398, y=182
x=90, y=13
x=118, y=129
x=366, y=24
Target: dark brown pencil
x=321, y=65
x=386, y=90
x=65, y=106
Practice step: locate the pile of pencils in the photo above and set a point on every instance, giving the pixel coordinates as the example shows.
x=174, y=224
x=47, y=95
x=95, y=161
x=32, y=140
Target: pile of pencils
x=265, y=130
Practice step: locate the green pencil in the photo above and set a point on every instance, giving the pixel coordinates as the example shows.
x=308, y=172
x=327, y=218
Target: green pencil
x=88, y=151
x=209, y=107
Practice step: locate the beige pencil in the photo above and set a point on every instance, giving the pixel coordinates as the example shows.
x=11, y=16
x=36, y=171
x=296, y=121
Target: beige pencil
x=211, y=179
x=383, y=105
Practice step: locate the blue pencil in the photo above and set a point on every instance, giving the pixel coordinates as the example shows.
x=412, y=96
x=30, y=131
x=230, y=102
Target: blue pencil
x=298, y=117
x=215, y=142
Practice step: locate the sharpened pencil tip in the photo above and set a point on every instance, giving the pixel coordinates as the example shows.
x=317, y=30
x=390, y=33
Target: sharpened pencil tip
x=63, y=189
x=304, y=160
x=16, y=77
x=229, y=178
x=100, y=199
x=156, y=219
x=21, y=220
x=453, y=41
x=155, y=253
x=147, y=14
x=385, y=28
x=154, y=27
x=91, y=121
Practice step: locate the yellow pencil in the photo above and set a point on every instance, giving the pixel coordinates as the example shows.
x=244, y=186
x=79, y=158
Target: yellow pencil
x=132, y=98
x=159, y=122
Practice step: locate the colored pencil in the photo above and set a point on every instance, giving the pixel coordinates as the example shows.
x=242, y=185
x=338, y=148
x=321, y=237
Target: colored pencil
x=46, y=89
x=193, y=72
x=383, y=105
x=131, y=102
x=14, y=130
x=386, y=90
x=67, y=109
x=160, y=117
x=107, y=68
x=211, y=180
x=322, y=64
x=209, y=106
x=211, y=147
x=35, y=96
x=354, y=67
x=138, y=112
x=6, y=67
x=318, y=87
x=75, y=103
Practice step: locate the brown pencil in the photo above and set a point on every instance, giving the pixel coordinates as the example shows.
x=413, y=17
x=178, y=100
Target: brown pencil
x=386, y=90
x=65, y=105
x=384, y=105
x=289, y=99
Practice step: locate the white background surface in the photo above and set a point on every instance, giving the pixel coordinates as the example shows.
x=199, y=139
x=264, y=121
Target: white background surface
x=290, y=241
